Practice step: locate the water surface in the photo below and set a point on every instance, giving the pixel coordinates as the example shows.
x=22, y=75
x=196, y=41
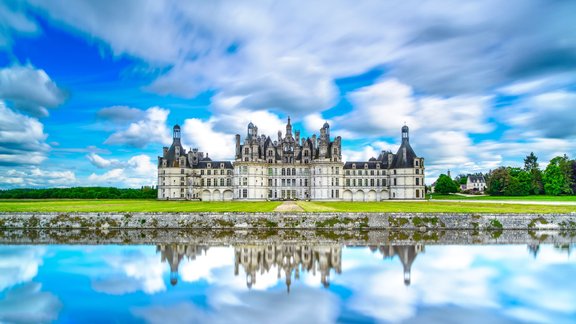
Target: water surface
x=326, y=283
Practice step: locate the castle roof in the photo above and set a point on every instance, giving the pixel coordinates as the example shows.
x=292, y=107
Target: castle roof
x=405, y=156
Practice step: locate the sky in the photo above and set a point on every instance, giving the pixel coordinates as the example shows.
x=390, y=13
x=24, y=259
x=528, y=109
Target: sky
x=90, y=90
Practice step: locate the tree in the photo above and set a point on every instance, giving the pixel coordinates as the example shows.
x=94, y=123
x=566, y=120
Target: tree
x=520, y=183
x=531, y=162
x=461, y=179
x=533, y=168
x=497, y=181
x=557, y=176
x=445, y=185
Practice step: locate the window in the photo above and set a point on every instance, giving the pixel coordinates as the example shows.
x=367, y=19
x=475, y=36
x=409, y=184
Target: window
x=293, y=171
x=229, y=182
x=209, y=165
x=394, y=171
x=244, y=193
x=222, y=181
x=416, y=162
x=221, y=165
x=417, y=171
x=202, y=172
x=209, y=182
x=372, y=182
x=395, y=181
x=181, y=171
x=347, y=172
x=371, y=172
x=246, y=151
x=209, y=172
x=417, y=181
x=244, y=181
x=270, y=172
x=347, y=182
x=283, y=171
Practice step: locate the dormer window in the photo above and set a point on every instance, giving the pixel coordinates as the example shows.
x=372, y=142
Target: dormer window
x=221, y=165
x=365, y=165
x=209, y=165
x=353, y=165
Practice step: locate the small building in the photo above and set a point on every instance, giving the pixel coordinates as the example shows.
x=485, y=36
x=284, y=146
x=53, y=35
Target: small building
x=475, y=182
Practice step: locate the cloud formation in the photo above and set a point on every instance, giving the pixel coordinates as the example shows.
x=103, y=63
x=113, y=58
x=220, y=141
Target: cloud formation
x=22, y=139
x=29, y=90
x=136, y=172
x=150, y=128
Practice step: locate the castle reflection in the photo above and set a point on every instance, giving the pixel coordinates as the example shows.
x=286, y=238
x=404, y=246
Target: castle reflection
x=288, y=260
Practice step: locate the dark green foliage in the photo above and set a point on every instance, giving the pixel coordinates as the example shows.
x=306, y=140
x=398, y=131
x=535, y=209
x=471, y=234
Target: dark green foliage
x=445, y=185
x=497, y=181
x=80, y=193
x=520, y=183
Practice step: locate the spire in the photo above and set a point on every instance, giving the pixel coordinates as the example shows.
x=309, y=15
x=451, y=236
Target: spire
x=289, y=128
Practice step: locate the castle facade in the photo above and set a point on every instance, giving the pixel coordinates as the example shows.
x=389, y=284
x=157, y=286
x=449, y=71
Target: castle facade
x=289, y=167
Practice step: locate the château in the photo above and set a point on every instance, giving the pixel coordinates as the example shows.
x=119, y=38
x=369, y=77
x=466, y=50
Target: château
x=289, y=167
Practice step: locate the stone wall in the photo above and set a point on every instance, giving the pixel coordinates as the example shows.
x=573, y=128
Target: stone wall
x=403, y=221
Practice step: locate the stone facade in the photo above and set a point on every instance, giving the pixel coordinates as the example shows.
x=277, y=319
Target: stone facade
x=290, y=167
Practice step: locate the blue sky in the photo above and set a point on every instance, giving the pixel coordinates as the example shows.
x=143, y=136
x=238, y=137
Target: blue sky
x=89, y=90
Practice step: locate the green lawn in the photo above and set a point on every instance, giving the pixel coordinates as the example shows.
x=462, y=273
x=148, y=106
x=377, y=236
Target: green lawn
x=432, y=207
x=521, y=198
x=188, y=206
x=81, y=205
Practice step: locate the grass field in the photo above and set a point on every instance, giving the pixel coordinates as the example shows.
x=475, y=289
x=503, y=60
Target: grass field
x=519, y=198
x=187, y=206
x=432, y=207
x=132, y=206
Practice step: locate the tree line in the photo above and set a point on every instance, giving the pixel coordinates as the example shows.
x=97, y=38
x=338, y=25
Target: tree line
x=558, y=178
x=80, y=193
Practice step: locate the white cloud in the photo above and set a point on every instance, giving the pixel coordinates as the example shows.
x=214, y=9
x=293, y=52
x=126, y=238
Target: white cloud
x=36, y=177
x=136, y=172
x=29, y=90
x=28, y=304
x=150, y=129
x=101, y=162
x=19, y=264
x=132, y=272
x=549, y=114
x=14, y=21
x=22, y=138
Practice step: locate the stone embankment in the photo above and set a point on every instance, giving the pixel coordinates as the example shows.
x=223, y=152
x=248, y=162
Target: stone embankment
x=281, y=220
x=274, y=228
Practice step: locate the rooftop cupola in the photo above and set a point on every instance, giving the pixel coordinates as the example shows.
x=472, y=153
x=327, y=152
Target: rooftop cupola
x=405, y=136
x=176, y=132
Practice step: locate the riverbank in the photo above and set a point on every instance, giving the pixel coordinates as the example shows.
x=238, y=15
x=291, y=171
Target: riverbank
x=286, y=220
